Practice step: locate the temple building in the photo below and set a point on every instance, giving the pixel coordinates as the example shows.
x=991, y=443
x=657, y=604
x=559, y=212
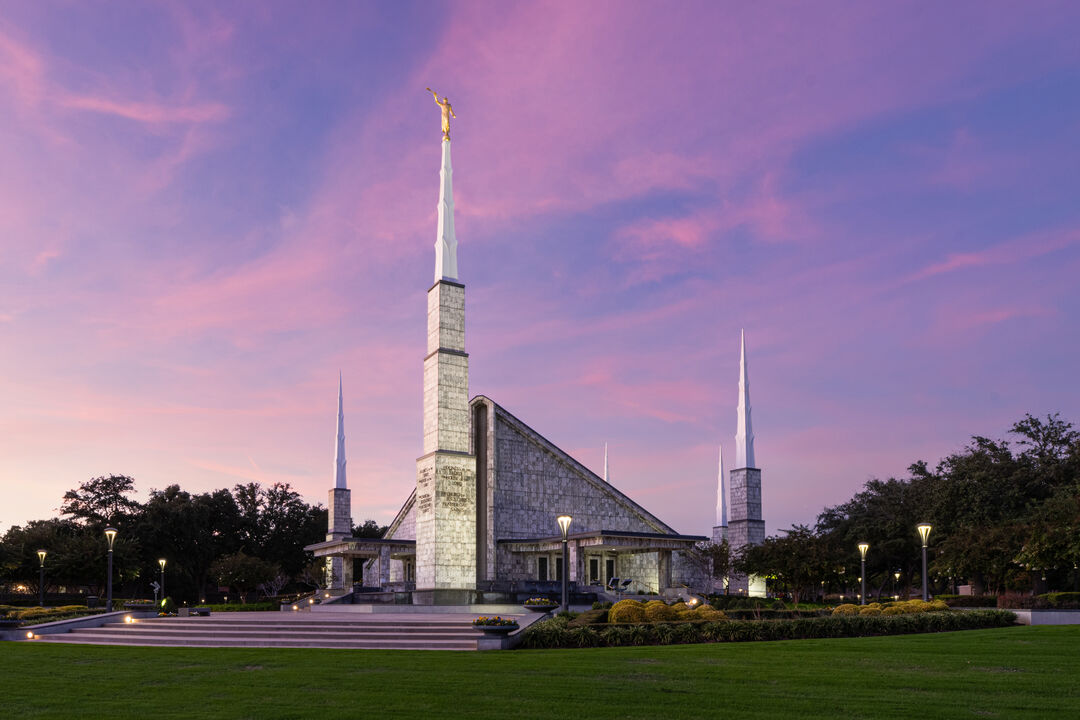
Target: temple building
x=480, y=524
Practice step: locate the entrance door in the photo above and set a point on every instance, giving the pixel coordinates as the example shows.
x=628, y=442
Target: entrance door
x=594, y=571
x=542, y=569
x=558, y=568
x=609, y=569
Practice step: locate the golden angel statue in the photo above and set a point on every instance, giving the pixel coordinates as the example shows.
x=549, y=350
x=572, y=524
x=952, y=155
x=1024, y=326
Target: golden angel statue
x=447, y=113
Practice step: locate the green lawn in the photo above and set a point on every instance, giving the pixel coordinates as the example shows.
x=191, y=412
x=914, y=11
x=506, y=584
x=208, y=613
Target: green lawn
x=1010, y=672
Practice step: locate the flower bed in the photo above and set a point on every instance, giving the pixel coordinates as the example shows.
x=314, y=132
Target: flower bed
x=494, y=621
x=557, y=632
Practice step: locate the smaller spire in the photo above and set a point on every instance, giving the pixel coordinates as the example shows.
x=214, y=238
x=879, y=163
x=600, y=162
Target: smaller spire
x=721, y=496
x=339, y=453
x=605, y=465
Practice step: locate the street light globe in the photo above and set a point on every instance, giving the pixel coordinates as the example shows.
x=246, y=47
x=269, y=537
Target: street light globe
x=924, y=532
x=863, y=547
x=564, y=524
x=110, y=533
x=161, y=562
x=41, y=555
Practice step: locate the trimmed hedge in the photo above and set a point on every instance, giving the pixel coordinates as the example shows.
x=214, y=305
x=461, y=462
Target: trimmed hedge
x=1049, y=601
x=983, y=601
x=775, y=614
x=557, y=633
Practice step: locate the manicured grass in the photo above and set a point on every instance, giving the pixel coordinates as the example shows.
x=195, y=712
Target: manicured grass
x=1008, y=672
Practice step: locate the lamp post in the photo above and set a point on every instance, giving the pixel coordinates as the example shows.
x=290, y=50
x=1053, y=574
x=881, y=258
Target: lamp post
x=924, y=533
x=161, y=562
x=110, y=533
x=896, y=583
x=863, y=547
x=41, y=577
x=564, y=526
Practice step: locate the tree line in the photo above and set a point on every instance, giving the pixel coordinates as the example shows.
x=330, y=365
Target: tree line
x=1005, y=516
x=249, y=537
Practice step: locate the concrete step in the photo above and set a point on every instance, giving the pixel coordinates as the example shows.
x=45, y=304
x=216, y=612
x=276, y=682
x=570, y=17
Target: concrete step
x=214, y=641
x=291, y=630
x=285, y=630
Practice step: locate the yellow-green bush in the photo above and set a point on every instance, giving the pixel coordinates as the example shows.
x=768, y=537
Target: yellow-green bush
x=869, y=610
x=627, y=611
x=708, y=612
x=680, y=606
x=892, y=611
x=659, y=612
x=846, y=609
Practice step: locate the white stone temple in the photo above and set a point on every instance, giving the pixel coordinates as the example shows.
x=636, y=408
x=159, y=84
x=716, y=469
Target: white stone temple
x=480, y=524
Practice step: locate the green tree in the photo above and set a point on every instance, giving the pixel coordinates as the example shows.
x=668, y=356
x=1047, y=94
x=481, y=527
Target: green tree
x=243, y=573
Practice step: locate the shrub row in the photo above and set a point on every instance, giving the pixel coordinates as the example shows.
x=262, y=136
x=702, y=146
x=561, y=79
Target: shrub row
x=557, y=632
x=1049, y=601
x=250, y=607
x=901, y=607
x=983, y=601
x=769, y=614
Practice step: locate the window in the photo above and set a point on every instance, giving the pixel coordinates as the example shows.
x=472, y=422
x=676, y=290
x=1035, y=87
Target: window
x=542, y=569
x=609, y=568
x=594, y=571
x=558, y=568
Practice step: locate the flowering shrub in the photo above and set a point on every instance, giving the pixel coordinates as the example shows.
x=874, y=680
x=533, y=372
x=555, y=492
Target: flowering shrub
x=846, y=609
x=541, y=601
x=494, y=621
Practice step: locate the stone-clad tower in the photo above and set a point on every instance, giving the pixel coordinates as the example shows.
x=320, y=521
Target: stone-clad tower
x=747, y=526
x=446, y=472
x=339, y=517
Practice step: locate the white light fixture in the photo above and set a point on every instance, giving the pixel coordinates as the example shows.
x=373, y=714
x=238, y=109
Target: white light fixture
x=564, y=524
x=110, y=533
x=924, y=532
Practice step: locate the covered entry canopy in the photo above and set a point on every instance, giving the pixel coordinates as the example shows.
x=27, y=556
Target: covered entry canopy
x=597, y=556
x=614, y=540
x=379, y=549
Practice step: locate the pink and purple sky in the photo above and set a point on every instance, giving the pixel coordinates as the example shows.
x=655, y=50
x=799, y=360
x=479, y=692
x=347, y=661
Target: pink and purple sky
x=208, y=209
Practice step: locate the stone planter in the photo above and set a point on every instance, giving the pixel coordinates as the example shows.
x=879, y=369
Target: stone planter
x=541, y=608
x=496, y=630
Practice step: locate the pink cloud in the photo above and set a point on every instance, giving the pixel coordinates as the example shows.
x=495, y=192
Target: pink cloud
x=1004, y=253
x=148, y=112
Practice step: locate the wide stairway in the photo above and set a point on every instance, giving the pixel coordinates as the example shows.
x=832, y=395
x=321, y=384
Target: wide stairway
x=300, y=629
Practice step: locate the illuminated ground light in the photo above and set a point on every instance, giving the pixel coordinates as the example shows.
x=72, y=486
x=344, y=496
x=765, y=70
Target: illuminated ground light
x=30, y=636
x=295, y=607
x=128, y=619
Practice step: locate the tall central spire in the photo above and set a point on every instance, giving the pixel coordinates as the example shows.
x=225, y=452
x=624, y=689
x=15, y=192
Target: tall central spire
x=339, y=453
x=744, y=433
x=445, y=240
x=606, y=479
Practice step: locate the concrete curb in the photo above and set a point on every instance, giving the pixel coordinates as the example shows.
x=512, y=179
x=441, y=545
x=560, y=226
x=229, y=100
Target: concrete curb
x=63, y=626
